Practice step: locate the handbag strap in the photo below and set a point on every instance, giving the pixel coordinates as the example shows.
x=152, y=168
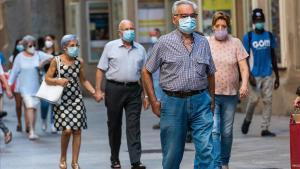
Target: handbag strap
x=58, y=65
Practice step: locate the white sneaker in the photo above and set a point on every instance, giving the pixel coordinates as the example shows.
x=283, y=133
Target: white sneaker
x=33, y=136
x=44, y=125
x=53, y=129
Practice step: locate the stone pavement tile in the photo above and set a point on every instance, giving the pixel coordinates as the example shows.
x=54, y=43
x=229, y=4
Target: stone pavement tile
x=249, y=151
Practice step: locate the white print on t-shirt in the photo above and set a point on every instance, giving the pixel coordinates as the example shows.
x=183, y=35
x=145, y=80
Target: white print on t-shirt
x=262, y=44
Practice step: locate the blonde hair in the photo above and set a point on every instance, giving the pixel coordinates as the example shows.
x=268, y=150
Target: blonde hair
x=221, y=15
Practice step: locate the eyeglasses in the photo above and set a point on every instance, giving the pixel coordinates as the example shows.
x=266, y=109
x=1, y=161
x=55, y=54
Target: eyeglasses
x=193, y=15
x=126, y=29
x=29, y=46
x=73, y=45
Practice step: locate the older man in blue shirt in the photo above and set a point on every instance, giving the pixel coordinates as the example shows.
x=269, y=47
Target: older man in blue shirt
x=187, y=79
x=122, y=61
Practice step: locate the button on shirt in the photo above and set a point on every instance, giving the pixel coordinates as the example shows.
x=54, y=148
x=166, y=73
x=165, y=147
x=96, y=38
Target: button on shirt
x=122, y=64
x=181, y=70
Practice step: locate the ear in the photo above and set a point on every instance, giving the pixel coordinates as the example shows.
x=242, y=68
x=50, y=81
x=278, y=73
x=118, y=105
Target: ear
x=174, y=20
x=120, y=33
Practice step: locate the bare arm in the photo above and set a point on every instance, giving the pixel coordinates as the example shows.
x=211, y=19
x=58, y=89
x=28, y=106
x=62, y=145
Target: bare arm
x=50, y=79
x=244, y=70
x=99, y=79
x=148, y=85
x=8, y=89
x=85, y=83
x=145, y=96
x=275, y=69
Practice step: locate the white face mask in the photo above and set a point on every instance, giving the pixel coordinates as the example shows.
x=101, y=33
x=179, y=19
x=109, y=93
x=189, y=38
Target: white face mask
x=48, y=44
x=31, y=50
x=154, y=39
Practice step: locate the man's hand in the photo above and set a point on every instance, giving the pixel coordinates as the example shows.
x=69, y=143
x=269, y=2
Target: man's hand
x=99, y=95
x=156, y=108
x=252, y=80
x=277, y=83
x=243, y=91
x=146, y=103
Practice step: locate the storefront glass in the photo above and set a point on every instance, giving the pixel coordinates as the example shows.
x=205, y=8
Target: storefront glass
x=99, y=29
x=151, y=14
x=209, y=7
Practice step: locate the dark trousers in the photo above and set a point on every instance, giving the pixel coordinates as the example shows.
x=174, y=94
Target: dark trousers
x=117, y=98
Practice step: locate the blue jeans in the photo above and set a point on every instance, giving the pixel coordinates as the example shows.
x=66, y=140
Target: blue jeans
x=45, y=106
x=177, y=114
x=157, y=89
x=223, y=126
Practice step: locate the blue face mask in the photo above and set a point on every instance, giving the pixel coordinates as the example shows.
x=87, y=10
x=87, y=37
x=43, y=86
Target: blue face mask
x=128, y=35
x=20, y=48
x=73, y=51
x=187, y=25
x=260, y=25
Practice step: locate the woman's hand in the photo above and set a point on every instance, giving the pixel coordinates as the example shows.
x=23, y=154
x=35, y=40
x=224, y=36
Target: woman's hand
x=297, y=102
x=243, y=91
x=99, y=96
x=62, y=82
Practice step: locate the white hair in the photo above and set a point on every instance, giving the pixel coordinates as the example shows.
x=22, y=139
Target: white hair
x=67, y=38
x=183, y=2
x=27, y=39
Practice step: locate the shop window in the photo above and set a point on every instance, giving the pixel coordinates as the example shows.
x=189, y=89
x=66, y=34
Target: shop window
x=209, y=7
x=275, y=29
x=297, y=29
x=98, y=27
x=1, y=16
x=151, y=14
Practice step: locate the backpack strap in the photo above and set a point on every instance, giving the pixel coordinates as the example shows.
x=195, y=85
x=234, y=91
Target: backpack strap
x=249, y=40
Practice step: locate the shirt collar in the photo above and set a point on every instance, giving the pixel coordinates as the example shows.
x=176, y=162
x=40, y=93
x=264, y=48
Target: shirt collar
x=121, y=44
x=179, y=35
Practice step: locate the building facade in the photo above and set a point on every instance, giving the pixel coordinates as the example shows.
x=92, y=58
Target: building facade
x=96, y=22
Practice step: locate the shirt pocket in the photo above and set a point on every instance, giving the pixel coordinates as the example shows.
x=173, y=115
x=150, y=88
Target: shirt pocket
x=174, y=65
x=201, y=67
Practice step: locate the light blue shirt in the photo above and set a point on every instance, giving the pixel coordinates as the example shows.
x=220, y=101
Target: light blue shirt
x=122, y=64
x=26, y=70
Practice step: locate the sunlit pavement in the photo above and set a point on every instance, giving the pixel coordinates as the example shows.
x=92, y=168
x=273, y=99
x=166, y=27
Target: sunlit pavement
x=249, y=152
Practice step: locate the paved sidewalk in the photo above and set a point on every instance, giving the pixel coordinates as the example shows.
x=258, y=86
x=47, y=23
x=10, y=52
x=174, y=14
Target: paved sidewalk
x=249, y=152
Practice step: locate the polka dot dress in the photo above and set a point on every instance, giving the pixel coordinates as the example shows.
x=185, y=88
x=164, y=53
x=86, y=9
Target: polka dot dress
x=70, y=113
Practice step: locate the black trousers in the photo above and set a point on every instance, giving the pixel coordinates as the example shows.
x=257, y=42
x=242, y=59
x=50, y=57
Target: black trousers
x=117, y=98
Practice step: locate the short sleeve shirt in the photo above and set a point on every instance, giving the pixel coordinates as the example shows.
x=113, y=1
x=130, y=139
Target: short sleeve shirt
x=260, y=46
x=122, y=64
x=181, y=70
x=226, y=55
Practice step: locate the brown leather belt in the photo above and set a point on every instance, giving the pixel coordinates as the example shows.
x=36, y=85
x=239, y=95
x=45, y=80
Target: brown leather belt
x=183, y=94
x=123, y=83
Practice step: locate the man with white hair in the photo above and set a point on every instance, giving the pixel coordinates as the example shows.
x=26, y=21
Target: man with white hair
x=121, y=62
x=187, y=79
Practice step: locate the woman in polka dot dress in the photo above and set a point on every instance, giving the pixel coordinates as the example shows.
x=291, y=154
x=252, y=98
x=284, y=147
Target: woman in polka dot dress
x=69, y=115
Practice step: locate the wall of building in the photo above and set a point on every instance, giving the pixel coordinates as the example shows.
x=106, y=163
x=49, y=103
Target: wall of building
x=35, y=17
